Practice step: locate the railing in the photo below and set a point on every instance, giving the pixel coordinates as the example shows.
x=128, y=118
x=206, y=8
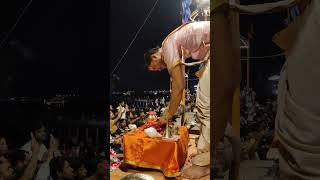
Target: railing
x=95, y=130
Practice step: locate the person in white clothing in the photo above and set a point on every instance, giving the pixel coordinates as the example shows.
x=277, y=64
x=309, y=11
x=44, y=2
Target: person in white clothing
x=40, y=135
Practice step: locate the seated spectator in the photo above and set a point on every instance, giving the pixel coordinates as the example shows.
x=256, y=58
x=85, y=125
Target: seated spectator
x=133, y=118
x=39, y=132
x=100, y=166
x=114, y=120
x=79, y=168
x=3, y=145
x=117, y=144
x=60, y=169
x=123, y=128
x=6, y=171
x=19, y=162
x=141, y=121
x=53, y=152
x=31, y=168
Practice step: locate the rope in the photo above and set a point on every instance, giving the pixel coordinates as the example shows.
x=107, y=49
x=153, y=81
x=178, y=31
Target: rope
x=242, y=58
x=16, y=23
x=263, y=57
x=135, y=37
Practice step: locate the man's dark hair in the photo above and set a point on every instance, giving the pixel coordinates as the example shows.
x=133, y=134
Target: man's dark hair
x=76, y=163
x=124, y=120
x=36, y=125
x=128, y=114
x=147, y=55
x=56, y=165
x=93, y=163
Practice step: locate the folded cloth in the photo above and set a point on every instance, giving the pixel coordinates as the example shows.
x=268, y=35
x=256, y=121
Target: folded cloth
x=155, y=153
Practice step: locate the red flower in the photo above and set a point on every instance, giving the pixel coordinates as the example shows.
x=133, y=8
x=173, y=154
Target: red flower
x=155, y=126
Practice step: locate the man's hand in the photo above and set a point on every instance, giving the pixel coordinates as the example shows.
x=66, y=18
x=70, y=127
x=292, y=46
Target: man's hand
x=162, y=121
x=54, y=143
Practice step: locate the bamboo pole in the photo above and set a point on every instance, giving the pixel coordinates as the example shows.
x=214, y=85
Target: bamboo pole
x=248, y=63
x=225, y=81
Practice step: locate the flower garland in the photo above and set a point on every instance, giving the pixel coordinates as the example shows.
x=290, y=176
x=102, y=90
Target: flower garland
x=114, y=161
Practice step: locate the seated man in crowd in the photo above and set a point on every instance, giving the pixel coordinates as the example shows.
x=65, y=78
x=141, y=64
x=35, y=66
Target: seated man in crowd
x=79, y=168
x=123, y=127
x=60, y=169
x=3, y=145
x=137, y=120
x=6, y=170
x=25, y=169
x=39, y=132
x=19, y=162
x=114, y=121
x=100, y=173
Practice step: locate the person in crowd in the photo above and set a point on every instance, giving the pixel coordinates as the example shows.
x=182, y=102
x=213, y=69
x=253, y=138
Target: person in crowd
x=53, y=152
x=142, y=119
x=19, y=162
x=79, y=168
x=132, y=117
x=124, y=108
x=60, y=169
x=100, y=172
x=31, y=168
x=114, y=120
x=3, y=145
x=6, y=170
x=123, y=127
x=39, y=132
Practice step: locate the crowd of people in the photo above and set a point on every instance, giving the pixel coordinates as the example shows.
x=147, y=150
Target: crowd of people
x=257, y=125
x=126, y=115
x=125, y=111
x=48, y=157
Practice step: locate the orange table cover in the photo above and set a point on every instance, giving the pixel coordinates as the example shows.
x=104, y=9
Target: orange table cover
x=155, y=153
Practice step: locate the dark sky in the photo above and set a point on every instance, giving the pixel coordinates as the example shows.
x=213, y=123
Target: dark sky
x=265, y=27
x=61, y=46
x=126, y=17
x=58, y=47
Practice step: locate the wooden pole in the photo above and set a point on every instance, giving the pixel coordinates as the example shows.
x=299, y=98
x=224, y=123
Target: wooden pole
x=248, y=63
x=225, y=81
x=225, y=67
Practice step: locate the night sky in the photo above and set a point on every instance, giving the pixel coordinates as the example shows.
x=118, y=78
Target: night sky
x=59, y=47
x=265, y=27
x=126, y=16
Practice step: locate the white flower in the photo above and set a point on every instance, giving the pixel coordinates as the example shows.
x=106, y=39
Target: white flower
x=152, y=132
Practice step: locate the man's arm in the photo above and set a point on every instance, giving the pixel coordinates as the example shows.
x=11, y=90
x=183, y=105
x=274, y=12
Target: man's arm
x=134, y=120
x=32, y=166
x=178, y=85
x=118, y=117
